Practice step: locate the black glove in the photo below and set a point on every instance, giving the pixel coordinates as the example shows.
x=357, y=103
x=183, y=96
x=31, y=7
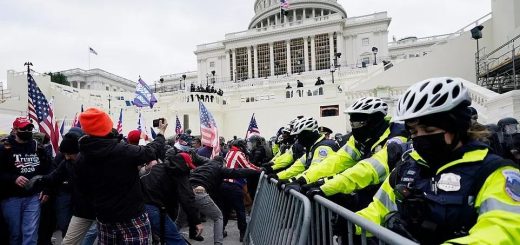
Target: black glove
x=272, y=176
x=292, y=186
x=34, y=182
x=307, y=187
x=267, y=169
x=280, y=183
x=313, y=192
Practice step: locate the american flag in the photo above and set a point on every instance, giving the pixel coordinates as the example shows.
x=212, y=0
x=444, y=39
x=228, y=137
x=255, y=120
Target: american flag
x=62, y=127
x=76, y=123
x=178, y=126
x=208, y=130
x=284, y=4
x=120, y=122
x=40, y=111
x=92, y=50
x=253, y=128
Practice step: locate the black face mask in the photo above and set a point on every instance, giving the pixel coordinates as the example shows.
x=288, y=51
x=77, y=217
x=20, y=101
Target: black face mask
x=361, y=134
x=24, y=135
x=433, y=149
x=307, y=138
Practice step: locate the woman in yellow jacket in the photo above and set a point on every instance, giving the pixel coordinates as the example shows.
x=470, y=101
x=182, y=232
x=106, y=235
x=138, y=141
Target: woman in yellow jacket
x=449, y=188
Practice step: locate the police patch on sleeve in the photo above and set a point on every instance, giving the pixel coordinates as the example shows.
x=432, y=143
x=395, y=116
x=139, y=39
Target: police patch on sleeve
x=512, y=184
x=322, y=153
x=395, y=140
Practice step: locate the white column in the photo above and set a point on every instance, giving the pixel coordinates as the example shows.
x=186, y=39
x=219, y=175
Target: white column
x=288, y=50
x=313, y=53
x=255, y=62
x=331, y=48
x=271, y=58
x=229, y=69
x=313, y=13
x=306, y=53
x=322, y=12
x=341, y=49
x=269, y=21
x=234, y=65
x=249, y=63
x=276, y=19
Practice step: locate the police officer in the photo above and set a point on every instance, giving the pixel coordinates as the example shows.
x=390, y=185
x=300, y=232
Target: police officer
x=364, y=160
x=449, y=187
x=290, y=151
x=316, y=147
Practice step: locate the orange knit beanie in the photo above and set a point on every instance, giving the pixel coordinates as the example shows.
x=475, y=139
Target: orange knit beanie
x=95, y=122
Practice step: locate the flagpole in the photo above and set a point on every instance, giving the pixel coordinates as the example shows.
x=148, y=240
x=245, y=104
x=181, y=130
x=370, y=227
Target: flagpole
x=89, y=59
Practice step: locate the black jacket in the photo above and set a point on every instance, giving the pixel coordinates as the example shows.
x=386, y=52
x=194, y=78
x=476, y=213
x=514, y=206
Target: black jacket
x=64, y=178
x=211, y=175
x=108, y=175
x=167, y=185
x=16, y=159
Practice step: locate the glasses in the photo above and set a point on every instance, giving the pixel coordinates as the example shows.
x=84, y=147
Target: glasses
x=358, y=124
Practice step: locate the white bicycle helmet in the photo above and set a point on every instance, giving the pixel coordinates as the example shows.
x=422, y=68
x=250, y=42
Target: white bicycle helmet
x=368, y=105
x=304, y=124
x=432, y=96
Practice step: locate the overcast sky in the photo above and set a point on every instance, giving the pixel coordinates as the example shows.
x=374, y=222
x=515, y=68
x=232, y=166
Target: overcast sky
x=158, y=37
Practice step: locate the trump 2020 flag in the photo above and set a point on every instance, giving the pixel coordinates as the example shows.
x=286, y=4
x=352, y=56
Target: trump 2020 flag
x=253, y=128
x=144, y=96
x=208, y=130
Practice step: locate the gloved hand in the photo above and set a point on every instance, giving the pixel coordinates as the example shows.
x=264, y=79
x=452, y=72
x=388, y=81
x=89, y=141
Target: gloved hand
x=272, y=176
x=292, y=186
x=33, y=182
x=307, y=187
x=280, y=183
x=267, y=169
x=313, y=192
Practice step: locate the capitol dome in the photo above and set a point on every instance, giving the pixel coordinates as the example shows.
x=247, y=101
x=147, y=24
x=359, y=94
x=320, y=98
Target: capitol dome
x=267, y=12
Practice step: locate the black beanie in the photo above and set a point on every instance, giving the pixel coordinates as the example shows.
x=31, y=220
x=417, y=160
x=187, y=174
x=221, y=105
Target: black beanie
x=69, y=144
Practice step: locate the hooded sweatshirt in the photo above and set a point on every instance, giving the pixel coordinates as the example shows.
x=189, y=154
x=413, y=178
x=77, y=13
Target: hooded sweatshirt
x=109, y=177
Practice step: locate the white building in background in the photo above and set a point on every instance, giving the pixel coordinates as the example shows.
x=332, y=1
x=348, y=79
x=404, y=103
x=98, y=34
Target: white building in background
x=98, y=79
x=258, y=68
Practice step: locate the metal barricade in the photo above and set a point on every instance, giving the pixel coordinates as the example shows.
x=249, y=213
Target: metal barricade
x=277, y=217
x=321, y=230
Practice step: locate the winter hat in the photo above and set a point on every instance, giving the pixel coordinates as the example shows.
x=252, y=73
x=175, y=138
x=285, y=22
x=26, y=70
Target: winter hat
x=69, y=144
x=77, y=131
x=95, y=122
x=133, y=137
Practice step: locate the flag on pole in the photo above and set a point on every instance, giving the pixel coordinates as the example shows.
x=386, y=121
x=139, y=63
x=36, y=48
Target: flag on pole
x=41, y=112
x=208, y=130
x=284, y=7
x=141, y=125
x=178, y=126
x=153, y=133
x=120, y=122
x=144, y=96
x=62, y=127
x=253, y=128
x=92, y=50
x=76, y=123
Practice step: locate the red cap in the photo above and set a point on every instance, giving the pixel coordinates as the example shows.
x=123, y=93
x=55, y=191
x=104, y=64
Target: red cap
x=22, y=122
x=133, y=137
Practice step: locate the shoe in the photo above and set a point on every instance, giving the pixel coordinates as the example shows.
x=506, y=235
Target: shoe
x=224, y=234
x=198, y=238
x=242, y=237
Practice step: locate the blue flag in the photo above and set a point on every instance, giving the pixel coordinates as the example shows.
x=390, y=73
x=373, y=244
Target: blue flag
x=144, y=96
x=153, y=133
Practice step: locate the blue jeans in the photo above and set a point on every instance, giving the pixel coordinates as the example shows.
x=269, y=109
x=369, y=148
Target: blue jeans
x=63, y=209
x=91, y=235
x=171, y=234
x=22, y=216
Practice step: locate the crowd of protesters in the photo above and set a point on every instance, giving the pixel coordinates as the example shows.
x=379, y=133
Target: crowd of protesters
x=134, y=190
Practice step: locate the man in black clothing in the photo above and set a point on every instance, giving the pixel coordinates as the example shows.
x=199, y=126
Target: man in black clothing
x=164, y=188
x=108, y=175
x=205, y=180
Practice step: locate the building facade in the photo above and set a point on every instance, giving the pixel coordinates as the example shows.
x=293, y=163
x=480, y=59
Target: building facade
x=98, y=79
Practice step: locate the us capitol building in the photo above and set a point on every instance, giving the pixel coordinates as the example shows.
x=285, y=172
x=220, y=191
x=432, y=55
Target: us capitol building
x=258, y=70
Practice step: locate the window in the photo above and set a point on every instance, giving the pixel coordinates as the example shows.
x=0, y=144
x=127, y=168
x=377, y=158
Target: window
x=242, y=66
x=322, y=52
x=280, y=58
x=366, y=60
x=297, y=61
x=252, y=60
x=264, y=66
x=365, y=41
x=212, y=64
x=329, y=111
x=231, y=65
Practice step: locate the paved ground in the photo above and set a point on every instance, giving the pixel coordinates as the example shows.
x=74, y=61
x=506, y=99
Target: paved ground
x=231, y=239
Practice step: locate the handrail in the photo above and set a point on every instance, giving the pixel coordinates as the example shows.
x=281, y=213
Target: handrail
x=501, y=46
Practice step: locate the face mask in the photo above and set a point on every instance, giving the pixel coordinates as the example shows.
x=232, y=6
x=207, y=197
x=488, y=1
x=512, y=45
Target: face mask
x=361, y=134
x=433, y=149
x=306, y=138
x=24, y=135
x=511, y=129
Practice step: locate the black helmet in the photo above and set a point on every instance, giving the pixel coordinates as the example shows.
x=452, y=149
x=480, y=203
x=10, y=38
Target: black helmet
x=240, y=144
x=255, y=140
x=506, y=121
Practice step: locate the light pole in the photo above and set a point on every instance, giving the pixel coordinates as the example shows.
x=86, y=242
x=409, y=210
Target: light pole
x=162, y=87
x=109, y=99
x=374, y=51
x=213, y=73
x=476, y=33
x=336, y=57
x=184, y=79
x=207, y=76
x=332, y=70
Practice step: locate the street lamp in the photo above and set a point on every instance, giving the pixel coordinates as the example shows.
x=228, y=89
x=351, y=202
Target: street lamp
x=207, y=75
x=336, y=57
x=213, y=73
x=374, y=50
x=184, y=79
x=332, y=70
x=162, y=87
x=476, y=33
